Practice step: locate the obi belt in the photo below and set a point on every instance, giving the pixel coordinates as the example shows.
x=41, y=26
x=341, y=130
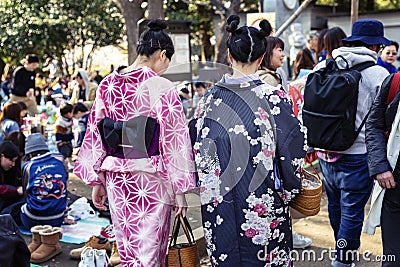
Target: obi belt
x=133, y=139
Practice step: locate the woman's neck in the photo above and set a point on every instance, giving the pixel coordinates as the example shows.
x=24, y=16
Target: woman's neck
x=139, y=63
x=242, y=69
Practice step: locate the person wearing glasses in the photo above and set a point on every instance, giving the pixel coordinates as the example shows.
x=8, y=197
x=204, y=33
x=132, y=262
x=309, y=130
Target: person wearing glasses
x=388, y=56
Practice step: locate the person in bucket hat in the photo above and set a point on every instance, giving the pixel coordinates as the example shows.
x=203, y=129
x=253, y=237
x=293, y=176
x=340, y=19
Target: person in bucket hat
x=348, y=182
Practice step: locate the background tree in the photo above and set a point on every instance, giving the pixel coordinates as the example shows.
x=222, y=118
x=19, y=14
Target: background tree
x=55, y=28
x=132, y=12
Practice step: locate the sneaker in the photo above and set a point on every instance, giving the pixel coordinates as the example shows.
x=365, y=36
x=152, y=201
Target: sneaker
x=87, y=258
x=114, y=258
x=300, y=241
x=95, y=242
x=335, y=263
x=108, y=232
x=100, y=258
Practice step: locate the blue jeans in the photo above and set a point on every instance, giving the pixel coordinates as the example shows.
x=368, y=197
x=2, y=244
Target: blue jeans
x=348, y=187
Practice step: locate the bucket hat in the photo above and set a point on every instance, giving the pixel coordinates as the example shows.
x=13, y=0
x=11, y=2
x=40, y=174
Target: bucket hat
x=368, y=31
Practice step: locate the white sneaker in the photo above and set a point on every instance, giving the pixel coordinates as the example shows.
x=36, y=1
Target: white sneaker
x=300, y=241
x=100, y=257
x=87, y=258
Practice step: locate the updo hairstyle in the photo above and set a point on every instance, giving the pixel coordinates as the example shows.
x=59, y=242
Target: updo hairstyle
x=155, y=38
x=246, y=44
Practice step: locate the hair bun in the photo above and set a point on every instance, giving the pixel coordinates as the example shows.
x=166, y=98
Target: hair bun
x=233, y=23
x=157, y=24
x=265, y=27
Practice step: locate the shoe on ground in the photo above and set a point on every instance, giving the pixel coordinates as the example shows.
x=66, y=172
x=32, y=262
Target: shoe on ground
x=300, y=241
x=87, y=258
x=49, y=246
x=114, y=258
x=108, y=232
x=95, y=242
x=335, y=263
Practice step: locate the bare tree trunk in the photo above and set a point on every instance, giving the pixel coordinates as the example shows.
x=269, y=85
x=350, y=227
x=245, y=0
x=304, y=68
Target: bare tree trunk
x=205, y=46
x=221, y=47
x=132, y=12
x=155, y=9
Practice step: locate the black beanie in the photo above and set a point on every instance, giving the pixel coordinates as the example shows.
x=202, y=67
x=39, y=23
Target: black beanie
x=9, y=150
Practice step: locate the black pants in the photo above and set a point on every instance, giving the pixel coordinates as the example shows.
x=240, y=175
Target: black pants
x=390, y=222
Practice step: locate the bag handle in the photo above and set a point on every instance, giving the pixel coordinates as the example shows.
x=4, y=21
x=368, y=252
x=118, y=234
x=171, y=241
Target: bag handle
x=180, y=220
x=315, y=174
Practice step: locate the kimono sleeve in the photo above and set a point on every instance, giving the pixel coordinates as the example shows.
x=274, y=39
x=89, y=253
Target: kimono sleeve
x=92, y=152
x=291, y=143
x=176, y=149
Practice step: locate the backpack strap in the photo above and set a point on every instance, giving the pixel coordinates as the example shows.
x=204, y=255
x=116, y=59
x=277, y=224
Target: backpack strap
x=363, y=65
x=360, y=67
x=394, y=88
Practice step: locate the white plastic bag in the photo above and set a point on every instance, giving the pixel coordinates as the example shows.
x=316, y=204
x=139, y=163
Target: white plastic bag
x=82, y=209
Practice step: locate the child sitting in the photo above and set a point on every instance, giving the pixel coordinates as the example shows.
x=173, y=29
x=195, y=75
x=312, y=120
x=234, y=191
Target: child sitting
x=63, y=132
x=45, y=179
x=81, y=113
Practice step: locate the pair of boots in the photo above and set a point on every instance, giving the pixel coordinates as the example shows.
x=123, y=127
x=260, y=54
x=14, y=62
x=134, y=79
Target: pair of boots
x=44, y=243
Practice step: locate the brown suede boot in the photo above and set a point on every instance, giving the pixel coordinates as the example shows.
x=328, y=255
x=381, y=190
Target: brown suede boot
x=95, y=242
x=50, y=245
x=36, y=237
x=114, y=258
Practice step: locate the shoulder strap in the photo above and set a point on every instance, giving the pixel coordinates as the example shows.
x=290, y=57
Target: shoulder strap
x=363, y=65
x=394, y=88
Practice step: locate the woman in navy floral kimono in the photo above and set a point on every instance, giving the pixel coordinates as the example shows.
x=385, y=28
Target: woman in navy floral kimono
x=249, y=150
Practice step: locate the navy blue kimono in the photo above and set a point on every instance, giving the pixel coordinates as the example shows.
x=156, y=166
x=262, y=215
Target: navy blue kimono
x=249, y=149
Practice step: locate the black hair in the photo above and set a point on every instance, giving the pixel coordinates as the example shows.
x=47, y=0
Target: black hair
x=32, y=58
x=272, y=43
x=9, y=149
x=246, y=44
x=200, y=84
x=65, y=108
x=396, y=44
x=79, y=107
x=154, y=39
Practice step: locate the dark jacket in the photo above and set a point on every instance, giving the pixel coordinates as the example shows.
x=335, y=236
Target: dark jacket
x=379, y=122
x=13, y=249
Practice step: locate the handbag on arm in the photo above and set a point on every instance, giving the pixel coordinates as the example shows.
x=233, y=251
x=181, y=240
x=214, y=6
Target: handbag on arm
x=182, y=254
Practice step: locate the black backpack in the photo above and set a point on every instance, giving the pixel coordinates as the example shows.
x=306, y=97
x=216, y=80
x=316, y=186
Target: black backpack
x=330, y=106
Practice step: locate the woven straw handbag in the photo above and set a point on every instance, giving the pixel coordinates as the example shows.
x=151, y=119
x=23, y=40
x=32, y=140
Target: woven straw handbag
x=309, y=200
x=182, y=254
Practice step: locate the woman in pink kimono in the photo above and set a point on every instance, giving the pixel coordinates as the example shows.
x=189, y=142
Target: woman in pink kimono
x=137, y=151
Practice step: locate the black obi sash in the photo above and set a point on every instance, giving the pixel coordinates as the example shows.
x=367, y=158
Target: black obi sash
x=133, y=139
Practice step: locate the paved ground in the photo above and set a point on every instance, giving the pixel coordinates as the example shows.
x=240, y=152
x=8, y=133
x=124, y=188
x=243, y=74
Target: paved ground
x=316, y=227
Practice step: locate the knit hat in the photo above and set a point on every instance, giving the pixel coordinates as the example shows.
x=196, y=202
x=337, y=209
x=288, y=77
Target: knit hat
x=368, y=31
x=35, y=142
x=9, y=150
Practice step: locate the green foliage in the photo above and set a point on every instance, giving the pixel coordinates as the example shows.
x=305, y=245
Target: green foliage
x=364, y=6
x=56, y=27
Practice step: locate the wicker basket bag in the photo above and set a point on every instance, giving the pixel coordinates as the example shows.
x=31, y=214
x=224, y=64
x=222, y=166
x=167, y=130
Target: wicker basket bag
x=182, y=254
x=309, y=200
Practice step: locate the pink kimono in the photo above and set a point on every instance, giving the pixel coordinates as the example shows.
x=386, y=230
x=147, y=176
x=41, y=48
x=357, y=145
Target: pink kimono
x=141, y=192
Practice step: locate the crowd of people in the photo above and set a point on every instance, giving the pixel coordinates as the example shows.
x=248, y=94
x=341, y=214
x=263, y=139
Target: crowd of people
x=243, y=147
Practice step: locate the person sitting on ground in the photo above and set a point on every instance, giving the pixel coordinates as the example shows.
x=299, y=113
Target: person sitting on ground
x=63, y=132
x=81, y=113
x=10, y=119
x=44, y=177
x=11, y=190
